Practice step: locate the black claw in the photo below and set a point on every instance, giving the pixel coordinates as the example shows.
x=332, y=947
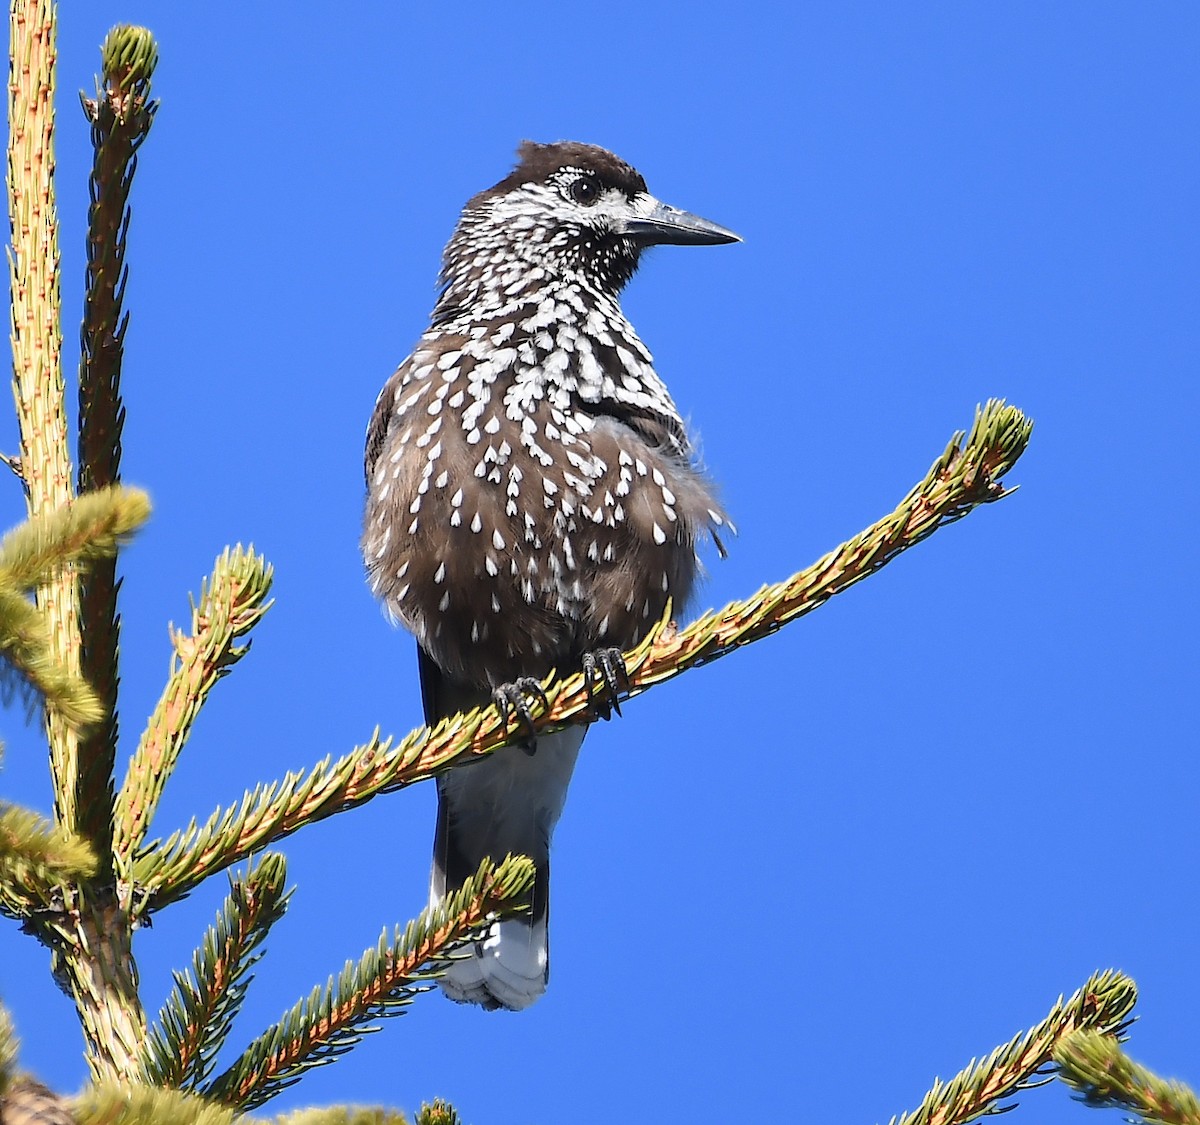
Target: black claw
x=513, y=699
x=606, y=677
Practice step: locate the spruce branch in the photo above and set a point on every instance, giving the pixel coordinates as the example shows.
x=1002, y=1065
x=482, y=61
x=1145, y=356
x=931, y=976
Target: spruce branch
x=110, y=1104
x=967, y=474
x=344, y=1115
x=438, y=1112
x=383, y=982
x=1104, y=1003
x=120, y=115
x=90, y=529
x=9, y=1046
x=37, y=340
x=36, y=857
x=92, y=939
x=231, y=603
x=196, y=1018
x=86, y=530
x=1095, y=1065
x=93, y=945
x=31, y=664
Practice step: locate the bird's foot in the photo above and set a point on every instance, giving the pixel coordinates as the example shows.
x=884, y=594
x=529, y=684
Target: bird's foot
x=606, y=676
x=514, y=699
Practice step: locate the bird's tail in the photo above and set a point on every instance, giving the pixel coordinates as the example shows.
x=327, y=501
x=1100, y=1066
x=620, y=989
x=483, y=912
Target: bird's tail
x=506, y=804
x=508, y=967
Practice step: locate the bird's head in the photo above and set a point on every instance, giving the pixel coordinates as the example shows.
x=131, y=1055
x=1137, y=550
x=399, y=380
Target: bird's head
x=567, y=208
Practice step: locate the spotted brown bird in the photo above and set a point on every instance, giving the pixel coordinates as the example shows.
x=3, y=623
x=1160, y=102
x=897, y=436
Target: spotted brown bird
x=532, y=503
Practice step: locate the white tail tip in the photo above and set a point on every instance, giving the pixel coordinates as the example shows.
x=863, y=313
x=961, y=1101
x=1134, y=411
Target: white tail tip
x=505, y=969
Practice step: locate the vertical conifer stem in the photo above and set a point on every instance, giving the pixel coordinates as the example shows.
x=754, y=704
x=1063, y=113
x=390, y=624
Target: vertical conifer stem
x=90, y=934
x=37, y=338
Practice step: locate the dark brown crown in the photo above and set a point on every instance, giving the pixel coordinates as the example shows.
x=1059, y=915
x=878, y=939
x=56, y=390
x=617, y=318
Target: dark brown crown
x=538, y=162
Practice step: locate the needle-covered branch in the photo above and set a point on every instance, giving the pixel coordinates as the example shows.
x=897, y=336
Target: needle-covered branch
x=382, y=983
x=198, y=1015
x=9, y=1045
x=31, y=555
x=353, y=1115
x=91, y=528
x=966, y=475
x=106, y=1104
x=231, y=602
x=438, y=1112
x=92, y=939
x=1103, y=1004
x=1095, y=1065
x=37, y=340
x=32, y=665
x=36, y=856
x=120, y=116
x=24, y=1101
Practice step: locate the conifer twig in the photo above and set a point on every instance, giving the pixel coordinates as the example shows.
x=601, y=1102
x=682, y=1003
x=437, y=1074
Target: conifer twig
x=196, y=1018
x=29, y=660
x=93, y=940
x=966, y=475
x=1095, y=1065
x=110, y=1104
x=120, y=115
x=35, y=857
x=31, y=555
x=383, y=982
x=231, y=602
x=37, y=340
x=1104, y=1003
x=91, y=529
x=438, y=1112
x=9, y=1046
x=346, y=1115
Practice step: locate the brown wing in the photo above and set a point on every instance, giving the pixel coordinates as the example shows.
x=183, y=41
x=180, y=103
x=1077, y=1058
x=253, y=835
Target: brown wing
x=381, y=416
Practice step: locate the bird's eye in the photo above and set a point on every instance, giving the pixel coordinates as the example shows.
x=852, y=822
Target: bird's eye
x=585, y=190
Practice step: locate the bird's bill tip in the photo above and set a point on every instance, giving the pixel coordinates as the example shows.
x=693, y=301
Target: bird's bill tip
x=660, y=224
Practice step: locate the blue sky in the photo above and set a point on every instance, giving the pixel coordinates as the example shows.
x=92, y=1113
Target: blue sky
x=844, y=861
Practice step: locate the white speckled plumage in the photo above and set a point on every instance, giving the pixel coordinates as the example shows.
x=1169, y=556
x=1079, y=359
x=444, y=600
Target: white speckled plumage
x=531, y=493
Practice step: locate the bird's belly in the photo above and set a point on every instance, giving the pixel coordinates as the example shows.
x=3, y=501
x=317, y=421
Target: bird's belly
x=506, y=567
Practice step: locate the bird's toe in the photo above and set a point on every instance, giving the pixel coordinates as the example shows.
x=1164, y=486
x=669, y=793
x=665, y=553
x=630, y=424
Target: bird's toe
x=514, y=699
x=606, y=677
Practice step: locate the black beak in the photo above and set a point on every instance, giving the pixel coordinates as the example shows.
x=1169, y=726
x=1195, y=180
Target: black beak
x=660, y=224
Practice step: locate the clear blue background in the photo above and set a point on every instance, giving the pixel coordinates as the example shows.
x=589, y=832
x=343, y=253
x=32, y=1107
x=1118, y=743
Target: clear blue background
x=810, y=878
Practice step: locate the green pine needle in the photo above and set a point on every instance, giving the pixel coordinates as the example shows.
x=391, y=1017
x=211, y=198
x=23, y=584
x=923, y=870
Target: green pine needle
x=198, y=1015
x=1095, y=1065
x=383, y=983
